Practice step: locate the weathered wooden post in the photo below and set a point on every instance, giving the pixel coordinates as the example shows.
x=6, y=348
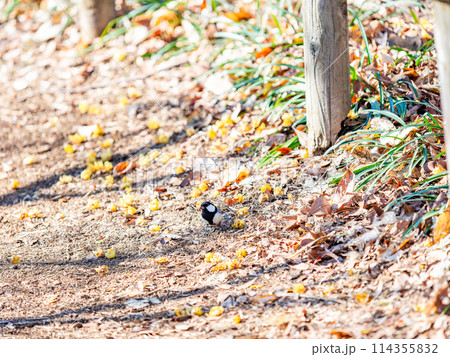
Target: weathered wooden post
x=327, y=67
x=94, y=16
x=442, y=36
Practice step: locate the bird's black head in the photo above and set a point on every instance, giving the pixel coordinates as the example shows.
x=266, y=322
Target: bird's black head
x=205, y=205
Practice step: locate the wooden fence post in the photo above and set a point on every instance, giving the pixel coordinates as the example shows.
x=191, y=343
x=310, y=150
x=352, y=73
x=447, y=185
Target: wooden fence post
x=442, y=36
x=327, y=70
x=94, y=16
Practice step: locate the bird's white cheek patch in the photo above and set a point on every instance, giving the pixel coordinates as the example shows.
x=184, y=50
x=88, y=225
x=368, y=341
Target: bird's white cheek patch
x=211, y=208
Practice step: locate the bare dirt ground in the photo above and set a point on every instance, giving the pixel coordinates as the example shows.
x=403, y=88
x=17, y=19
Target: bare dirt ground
x=353, y=288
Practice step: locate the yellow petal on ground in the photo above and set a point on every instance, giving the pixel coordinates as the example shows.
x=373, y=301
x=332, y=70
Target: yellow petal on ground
x=119, y=56
x=238, y=223
x=329, y=289
x=153, y=123
x=154, y=205
x=196, y=193
x=134, y=93
x=299, y=289
x=106, y=143
x=123, y=101
x=179, y=170
x=95, y=109
x=99, y=252
x=241, y=253
x=34, y=213
x=98, y=131
x=83, y=107
x=215, y=193
x=164, y=158
x=203, y=186
x=239, y=197
x=190, y=132
x=154, y=228
x=103, y=269
x=23, y=214
x=60, y=215
x=161, y=260
x=162, y=139
x=13, y=184
x=130, y=210
x=362, y=298
x=64, y=179
x=86, y=174
x=112, y=208
x=106, y=155
x=197, y=310
x=77, y=138
x=216, y=311
x=242, y=211
x=278, y=191
x=266, y=188
x=237, y=319
x=68, y=148
x=15, y=259
x=211, y=134
x=263, y=197
x=287, y=119
x=29, y=160
x=93, y=204
x=110, y=253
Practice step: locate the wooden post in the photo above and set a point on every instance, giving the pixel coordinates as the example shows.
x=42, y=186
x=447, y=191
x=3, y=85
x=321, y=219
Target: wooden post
x=442, y=36
x=327, y=70
x=94, y=16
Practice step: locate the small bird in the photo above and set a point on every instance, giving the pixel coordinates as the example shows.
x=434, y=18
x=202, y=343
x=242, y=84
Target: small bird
x=211, y=213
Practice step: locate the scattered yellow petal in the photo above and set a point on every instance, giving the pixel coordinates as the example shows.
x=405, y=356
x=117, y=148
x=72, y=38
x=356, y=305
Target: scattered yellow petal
x=227, y=264
x=287, y=119
x=196, y=193
x=123, y=101
x=106, y=155
x=140, y=221
x=98, y=131
x=213, y=258
x=110, y=253
x=60, y=215
x=290, y=196
x=203, y=187
x=190, y=132
x=93, y=204
x=239, y=197
x=23, y=214
x=278, y=191
x=65, y=179
x=69, y=149
x=215, y=193
x=28, y=160
x=362, y=298
x=256, y=286
x=155, y=228
x=34, y=213
x=197, y=310
x=99, y=252
x=108, y=180
x=216, y=311
x=106, y=143
x=112, y=208
x=86, y=174
x=303, y=153
x=83, y=106
x=154, y=204
x=211, y=134
x=119, y=56
x=15, y=259
x=238, y=223
x=329, y=289
x=13, y=184
x=243, y=174
x=161, y=260
x=266, y=188
x=54, y=121
x=95, y=109
x=164, y=158
x=77, y=138
x=241, y=253
x=134, y=93
x=299, y=289
x=126, y=200
x=162, y=139
x=179, y=170
x=179, y=154
x=421, y=307
x=153, y=123
x=130, y=210
x=237, y=319
x=103, y=269
x=242, y=211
